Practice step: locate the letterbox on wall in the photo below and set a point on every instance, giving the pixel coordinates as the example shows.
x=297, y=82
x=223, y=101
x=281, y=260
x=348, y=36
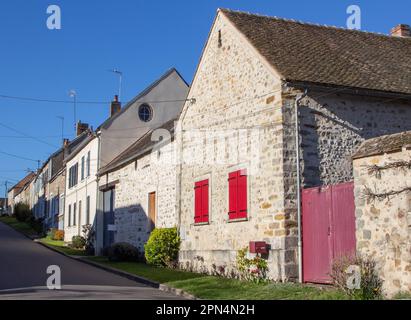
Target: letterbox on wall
x=258, y=247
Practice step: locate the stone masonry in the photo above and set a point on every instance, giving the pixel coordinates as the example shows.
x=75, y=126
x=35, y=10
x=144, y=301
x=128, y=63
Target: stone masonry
x=384, y=225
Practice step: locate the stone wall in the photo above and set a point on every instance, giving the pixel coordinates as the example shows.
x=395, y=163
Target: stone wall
x=333, y=125
x=235, y=123
x=154, y=172
x=384, y=225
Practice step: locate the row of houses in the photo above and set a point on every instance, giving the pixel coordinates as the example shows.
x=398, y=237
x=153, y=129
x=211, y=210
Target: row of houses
x=259, y=149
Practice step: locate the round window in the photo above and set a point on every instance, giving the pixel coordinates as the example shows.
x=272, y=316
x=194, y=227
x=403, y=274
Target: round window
x=145, y=112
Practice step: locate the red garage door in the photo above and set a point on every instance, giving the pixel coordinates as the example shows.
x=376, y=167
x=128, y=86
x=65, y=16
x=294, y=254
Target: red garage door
x=328, y=217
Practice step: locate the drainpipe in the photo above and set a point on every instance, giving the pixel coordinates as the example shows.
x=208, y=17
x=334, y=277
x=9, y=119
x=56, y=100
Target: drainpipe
x=297, y=149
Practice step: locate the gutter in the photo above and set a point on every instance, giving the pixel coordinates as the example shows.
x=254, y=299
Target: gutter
x=297, y=151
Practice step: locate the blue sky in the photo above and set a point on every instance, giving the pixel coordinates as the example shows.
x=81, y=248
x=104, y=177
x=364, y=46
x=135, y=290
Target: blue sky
x=141, y=38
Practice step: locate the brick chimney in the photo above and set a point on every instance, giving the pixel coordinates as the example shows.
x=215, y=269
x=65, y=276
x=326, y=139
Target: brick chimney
x=402, y=30
x=66, y=143
x=81, y=127
x=115, y=106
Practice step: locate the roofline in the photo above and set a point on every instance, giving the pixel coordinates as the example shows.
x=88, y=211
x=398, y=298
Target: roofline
x=142, y=94
x=347, y=89
x=91, y=136
x=137, y=155
x=315, y=24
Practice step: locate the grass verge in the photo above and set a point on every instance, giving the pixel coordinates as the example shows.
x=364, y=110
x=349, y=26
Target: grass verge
x=62, y=247
x=19, y=226
x=212, y=287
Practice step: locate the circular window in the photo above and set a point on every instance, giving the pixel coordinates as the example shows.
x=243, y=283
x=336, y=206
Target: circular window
x=145, y=112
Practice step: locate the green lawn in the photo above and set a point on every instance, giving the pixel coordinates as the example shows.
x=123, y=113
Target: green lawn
x=22, y=227
x=211, y=287
x=61, y=246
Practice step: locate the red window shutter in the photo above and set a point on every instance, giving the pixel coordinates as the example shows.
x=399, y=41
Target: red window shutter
x=232, y=195
x=197, y=202
x=242, y=194
x=204, y=201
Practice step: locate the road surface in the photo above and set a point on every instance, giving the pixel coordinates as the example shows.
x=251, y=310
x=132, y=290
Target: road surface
x=23, y=274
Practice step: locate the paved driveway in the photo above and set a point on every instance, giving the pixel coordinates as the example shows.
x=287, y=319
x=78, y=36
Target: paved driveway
x=23, y=265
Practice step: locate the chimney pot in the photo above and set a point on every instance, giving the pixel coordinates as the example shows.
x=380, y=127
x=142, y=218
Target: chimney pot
x=66, y=143
x=401, y=30
x=115, y=106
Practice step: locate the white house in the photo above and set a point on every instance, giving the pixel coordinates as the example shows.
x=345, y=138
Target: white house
x=81, y=188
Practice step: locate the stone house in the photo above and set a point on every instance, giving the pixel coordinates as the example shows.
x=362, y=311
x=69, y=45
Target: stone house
x=157, y=104
x=382, y=179
x=238, y=178
x=143, y=180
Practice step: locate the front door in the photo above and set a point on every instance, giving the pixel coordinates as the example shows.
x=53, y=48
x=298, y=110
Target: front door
x=108, y=210
x=152, y=210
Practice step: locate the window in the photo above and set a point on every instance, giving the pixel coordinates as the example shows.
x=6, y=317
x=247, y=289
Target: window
x=73, y=175
x=145, y=113
x=237, y=195
x=201, y=201
x=83, y=162
x=79, y=212
x=74, y=214
x=88, y=164
x=69, y=215
x=88, y=210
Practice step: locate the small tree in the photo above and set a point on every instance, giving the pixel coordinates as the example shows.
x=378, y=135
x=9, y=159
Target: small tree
x=162, y=247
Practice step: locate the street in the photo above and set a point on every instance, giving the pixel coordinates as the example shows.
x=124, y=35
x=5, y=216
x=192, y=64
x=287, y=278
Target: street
x=23, y=265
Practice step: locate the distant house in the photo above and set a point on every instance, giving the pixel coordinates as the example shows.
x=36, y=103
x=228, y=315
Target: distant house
x=18, y=193
x=3, y=206
x=238, y=126
x=124, y=135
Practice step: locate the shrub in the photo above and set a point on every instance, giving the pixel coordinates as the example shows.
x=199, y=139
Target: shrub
x=162, y=247
x=37, y=225
x=22, y=212
x=254, y=269
x=51, y=233
x=370, y=284
x=78, y=242
x=89, y=235
x=123, y=251
x=58, y=235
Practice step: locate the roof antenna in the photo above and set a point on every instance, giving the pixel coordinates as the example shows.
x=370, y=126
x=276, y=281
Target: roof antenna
x=120, y=78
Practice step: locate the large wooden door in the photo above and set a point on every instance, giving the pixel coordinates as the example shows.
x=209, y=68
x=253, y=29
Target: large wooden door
x=152, y=210
x=328, y=220
x=108, y=212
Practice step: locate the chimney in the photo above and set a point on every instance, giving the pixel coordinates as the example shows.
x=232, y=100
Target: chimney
x=81, y=127
x=402, y=30
x=66, y=143
x=115, y=106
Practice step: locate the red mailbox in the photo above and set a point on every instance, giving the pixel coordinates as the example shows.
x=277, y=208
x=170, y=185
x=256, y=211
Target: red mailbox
x=258, y=247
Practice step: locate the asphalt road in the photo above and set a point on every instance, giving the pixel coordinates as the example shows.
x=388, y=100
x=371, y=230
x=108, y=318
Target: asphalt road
x=23, y=274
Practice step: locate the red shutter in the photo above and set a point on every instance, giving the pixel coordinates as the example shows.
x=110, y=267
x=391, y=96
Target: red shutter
x=197, y=202
x=201, y=201
x=242, y=194
x=232, y=195
x=204, y=203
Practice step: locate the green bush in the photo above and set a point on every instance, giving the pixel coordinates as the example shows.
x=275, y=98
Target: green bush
x=37, y=225
x=78, y=242
x=22, y=212
x=162, y=247
x=123, y=251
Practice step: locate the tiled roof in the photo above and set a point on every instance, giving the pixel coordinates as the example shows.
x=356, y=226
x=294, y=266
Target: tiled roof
x=19, y=186
x=383, y=144
x=137, y=149
x=311, y=53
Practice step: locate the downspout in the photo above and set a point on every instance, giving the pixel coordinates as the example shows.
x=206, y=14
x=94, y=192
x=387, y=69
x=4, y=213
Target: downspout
x=297, y=151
